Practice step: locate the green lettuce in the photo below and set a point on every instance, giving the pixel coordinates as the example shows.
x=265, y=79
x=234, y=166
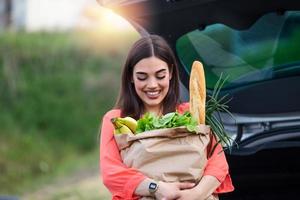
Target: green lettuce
x=170, y=120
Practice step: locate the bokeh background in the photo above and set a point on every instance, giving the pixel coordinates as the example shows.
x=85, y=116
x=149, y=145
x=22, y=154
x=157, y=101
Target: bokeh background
x=60, y=64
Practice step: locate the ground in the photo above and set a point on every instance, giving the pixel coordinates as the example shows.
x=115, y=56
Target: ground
x=81, y=185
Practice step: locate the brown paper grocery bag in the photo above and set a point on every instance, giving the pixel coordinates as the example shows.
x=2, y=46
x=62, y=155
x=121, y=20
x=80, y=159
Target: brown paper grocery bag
x=170, y=155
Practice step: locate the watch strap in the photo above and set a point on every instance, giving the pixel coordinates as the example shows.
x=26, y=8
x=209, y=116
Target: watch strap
x=152, y=187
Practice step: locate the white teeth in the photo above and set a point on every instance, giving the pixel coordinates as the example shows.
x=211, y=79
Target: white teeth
x=153, y=93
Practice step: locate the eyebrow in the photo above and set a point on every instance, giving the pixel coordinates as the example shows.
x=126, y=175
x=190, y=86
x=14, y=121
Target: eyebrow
x=161, y=70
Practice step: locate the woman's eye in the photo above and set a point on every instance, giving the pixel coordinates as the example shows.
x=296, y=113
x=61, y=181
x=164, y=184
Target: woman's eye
x=141, y=78
x=161, y=77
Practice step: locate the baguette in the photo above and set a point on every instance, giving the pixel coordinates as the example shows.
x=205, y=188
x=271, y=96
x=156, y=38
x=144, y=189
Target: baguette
x=197, y=92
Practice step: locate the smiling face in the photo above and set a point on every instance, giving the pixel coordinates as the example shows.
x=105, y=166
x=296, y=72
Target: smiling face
x=151, y=78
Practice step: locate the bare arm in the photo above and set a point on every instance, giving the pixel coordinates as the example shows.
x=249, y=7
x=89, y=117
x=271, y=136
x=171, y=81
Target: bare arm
x=203, y=190
x=118, y=178
x=165, y=190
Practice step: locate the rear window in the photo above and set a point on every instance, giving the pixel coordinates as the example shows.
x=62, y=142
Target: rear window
x=269, y=49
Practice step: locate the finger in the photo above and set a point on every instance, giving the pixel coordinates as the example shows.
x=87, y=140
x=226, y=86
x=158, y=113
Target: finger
x=179, y=198
x=175, y=195
x=185, y=185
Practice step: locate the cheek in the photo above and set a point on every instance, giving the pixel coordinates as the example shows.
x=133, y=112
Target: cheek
x=166, y=83
x=138, y=85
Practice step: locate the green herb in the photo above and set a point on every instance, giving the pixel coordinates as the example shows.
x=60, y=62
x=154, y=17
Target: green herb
x=214, y=106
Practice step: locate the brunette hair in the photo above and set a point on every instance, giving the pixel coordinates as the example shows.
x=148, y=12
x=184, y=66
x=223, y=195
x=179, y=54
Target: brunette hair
x=128, y=100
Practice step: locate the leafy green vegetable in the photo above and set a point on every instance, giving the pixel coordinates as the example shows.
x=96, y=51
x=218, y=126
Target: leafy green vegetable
x=170, y=120
x=214, y=106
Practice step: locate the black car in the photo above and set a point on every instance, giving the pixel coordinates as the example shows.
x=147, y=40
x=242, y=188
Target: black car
x=257, y=45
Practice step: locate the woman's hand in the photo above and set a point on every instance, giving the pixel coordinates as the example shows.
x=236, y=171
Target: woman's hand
x=190, y=194
x=170, y=191
x=203, y=190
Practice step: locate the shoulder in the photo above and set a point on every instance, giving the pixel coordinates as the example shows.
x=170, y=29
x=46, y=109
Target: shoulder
x=182, y=107
x=112, y=113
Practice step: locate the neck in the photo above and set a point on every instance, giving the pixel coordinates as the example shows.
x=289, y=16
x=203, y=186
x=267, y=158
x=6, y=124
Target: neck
x=156, y=110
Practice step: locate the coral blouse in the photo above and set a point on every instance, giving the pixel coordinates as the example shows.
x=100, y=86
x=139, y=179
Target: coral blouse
x=122, y=181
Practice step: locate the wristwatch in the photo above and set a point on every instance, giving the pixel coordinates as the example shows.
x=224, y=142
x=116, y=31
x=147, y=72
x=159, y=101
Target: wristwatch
x=153, y=186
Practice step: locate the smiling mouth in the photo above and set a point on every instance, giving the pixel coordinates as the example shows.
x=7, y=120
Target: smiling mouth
x=153, y=94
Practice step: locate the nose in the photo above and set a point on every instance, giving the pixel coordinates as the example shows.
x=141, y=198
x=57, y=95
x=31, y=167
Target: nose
x=152, y=83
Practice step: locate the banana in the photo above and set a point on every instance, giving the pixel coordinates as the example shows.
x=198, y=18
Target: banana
x=116, y=122
x=120, y=128
x=125, y=130
x=117, y=131
x=129, y=122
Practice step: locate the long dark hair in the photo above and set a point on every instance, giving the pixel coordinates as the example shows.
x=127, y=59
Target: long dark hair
x=128, y=100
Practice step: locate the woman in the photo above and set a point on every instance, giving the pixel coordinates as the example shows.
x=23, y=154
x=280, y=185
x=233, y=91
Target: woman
x=150, y=83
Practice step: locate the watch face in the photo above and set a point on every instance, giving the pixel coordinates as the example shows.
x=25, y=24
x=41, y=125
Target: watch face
x=152, y=186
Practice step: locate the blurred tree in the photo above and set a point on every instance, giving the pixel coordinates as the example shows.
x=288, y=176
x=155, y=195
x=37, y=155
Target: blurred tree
x=5, y=13
x=8, y=9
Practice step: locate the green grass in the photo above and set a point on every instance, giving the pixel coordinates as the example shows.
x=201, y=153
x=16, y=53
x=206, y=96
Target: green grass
x=76, y=179
x=54, y=89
